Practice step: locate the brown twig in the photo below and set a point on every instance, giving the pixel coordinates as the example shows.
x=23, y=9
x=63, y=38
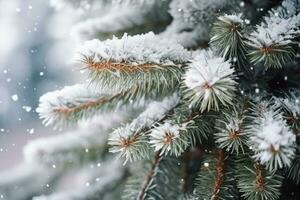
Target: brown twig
x=260, y=182
x=149, y=177
x=220, y=171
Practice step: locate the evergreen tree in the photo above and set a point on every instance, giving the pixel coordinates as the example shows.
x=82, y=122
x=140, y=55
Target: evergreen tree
x=204, y=106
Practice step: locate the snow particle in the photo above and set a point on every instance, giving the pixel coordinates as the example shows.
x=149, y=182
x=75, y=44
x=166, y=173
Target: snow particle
x=41, y=73
x=27, y=108
x=87, y=184
x=53, y=166
x=31, y=131
x=15, y=97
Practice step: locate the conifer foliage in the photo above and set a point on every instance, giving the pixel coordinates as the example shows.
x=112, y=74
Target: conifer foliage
x=201, y=101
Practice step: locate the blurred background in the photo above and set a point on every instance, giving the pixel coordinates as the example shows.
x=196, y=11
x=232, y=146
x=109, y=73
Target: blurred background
x=35, y=57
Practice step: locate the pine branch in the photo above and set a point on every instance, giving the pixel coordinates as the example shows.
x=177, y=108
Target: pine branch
x=293, y=172
x=228, y=39
x=131, y=141
x=192, y=20
x=255, y=182
x=184, y=129
x=71, y=104
x=209, y=82
x=290, y=106
x=151, y=64
x=271, y=140
x=149, y=177
x=154, y=180
x=216, y=178
x=233, y=129
x=273, y=41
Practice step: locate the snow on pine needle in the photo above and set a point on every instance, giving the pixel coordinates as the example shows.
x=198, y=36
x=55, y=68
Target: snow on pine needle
x=273, y=38
x=209, y=81
x=168, y=138
x=291, y=108
x=272, y=141
x=136, y=51
x=131, y=141
x=142, y=63
x=66, y=106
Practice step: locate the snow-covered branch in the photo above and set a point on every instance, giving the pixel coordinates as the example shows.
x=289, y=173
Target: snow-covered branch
x=272, y=140
x=273, y=39
x=130, y=141
x=209, y=81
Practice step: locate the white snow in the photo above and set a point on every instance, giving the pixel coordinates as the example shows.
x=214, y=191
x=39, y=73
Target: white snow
x=138, y=49
x=233, y=18
x=205, y=71
x=15, y=97
x=153, y=113
x=273, y=141
x=68, y=97
x=279, y=28
x=159, y=135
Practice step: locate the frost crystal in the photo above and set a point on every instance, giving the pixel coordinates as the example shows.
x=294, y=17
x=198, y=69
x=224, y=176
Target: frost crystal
x=210, y=79
x=273, y=141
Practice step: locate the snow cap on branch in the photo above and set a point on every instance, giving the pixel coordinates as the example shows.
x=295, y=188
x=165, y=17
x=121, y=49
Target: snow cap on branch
x=272, y=141
x=134, y=50
x=209, y=81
